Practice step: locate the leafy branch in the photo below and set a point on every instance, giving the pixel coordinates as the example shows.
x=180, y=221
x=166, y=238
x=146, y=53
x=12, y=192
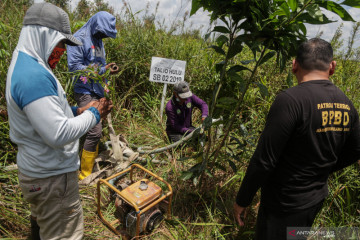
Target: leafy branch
x=266, y=27
x=91, y=73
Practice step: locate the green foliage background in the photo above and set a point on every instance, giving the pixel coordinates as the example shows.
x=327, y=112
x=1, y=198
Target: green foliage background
x=198, y=212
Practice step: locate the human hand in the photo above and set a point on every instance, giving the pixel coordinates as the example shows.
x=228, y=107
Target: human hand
x=113, y=68
x=94, y=104
x=191, y=129
x=238, y=211
x=104, y=107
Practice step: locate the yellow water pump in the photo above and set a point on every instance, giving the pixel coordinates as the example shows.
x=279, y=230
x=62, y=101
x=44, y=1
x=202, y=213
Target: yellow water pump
x=139, y=205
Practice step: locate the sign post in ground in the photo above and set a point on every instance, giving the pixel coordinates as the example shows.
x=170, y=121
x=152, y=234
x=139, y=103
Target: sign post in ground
x=167, y=71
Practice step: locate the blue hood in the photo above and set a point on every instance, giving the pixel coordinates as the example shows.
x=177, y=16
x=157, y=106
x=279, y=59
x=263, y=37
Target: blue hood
x=92, y=51
x=102, y=22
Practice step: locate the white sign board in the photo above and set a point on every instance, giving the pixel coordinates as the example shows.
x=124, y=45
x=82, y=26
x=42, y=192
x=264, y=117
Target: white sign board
x=167, y=70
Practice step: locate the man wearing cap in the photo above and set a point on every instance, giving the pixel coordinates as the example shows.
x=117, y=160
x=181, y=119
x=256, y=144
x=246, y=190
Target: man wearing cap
x=91, y=53
x=179, y=111
x=44, y=127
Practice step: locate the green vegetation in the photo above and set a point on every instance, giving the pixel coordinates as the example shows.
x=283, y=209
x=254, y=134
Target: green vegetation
x=199, y=211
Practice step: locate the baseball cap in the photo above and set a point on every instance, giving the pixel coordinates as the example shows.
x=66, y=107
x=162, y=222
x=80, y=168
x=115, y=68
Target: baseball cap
x=48, y=15
x=182, y=89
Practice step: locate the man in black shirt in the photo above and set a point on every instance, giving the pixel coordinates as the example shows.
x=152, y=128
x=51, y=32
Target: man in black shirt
x=311, y=131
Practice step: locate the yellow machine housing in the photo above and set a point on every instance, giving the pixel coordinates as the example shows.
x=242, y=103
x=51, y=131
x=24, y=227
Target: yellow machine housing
x=142, y=197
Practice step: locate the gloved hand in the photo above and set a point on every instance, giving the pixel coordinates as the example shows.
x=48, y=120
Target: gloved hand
x=113, y=68
x=191, y=129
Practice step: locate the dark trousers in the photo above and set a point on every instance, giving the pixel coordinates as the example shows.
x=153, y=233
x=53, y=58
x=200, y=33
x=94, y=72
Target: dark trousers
x=272, y=225
x=93, y=135
x=174, y=137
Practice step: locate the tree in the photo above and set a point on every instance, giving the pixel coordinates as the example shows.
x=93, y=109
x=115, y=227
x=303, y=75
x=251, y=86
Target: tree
x=269, y=28
x=100, y=5
x=83, y=10
x=60, y=3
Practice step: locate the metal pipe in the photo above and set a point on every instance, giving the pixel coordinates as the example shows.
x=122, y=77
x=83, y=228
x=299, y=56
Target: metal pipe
x=185, y=138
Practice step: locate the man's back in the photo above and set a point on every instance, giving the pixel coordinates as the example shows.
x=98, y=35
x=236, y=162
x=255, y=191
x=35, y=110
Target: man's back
x=308, y=129
x=312, y=130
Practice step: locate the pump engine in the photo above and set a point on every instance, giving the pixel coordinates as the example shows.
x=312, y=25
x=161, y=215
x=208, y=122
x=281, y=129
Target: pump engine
x=140, y=205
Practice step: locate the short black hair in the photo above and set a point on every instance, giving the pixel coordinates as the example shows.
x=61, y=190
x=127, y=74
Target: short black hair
x=315, y=54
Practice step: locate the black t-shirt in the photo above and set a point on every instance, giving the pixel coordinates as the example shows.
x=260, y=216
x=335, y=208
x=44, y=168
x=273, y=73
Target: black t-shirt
x=311, y=130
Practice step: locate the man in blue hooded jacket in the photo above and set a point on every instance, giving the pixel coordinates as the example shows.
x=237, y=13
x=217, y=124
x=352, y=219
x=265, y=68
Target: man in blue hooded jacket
x=91, y=53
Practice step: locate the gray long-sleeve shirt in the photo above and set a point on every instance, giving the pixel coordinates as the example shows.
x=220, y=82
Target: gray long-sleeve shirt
x=41, y=121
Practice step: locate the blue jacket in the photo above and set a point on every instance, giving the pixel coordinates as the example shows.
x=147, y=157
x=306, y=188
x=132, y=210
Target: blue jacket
x=92, y=51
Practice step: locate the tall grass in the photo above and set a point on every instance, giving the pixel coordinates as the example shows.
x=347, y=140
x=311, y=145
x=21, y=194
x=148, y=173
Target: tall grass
x=204, y=213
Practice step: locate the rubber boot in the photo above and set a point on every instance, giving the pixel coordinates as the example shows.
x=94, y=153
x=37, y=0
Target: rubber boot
x=35, y=229
x=87, y=163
